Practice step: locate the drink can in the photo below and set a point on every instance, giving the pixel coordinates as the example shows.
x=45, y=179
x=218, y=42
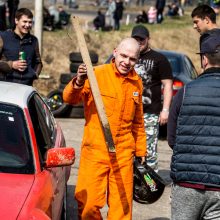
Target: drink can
x=22, y=55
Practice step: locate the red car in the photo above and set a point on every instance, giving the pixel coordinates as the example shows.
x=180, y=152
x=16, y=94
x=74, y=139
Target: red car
x=34, y=162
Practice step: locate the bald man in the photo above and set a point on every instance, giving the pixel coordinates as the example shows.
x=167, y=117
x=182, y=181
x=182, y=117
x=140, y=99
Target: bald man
x=105, y=176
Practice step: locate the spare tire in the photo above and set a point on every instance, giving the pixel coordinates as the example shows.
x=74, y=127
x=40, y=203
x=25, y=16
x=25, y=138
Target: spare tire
x=56, y=104
x=74, y=67
x=75, y=57
x=66, y=77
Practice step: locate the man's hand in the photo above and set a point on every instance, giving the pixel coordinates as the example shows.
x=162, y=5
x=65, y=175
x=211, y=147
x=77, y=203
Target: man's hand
x=163, y=117
x=81, y=75
x=19, y=65
x=143, y=159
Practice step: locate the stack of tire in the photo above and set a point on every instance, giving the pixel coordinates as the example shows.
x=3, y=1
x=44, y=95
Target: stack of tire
x=55, y=97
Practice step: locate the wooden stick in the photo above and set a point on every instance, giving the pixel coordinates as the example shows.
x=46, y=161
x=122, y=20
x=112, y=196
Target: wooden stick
x=94, y=85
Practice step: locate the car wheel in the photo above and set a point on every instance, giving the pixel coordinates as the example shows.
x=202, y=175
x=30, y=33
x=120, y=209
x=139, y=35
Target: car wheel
x=64, y=208
x=77, y=111
x=76, y=57
x=65, y=78
x=56, y=104
x=74, y=67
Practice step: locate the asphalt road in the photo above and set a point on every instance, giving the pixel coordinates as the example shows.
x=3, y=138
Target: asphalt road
x=160, y=210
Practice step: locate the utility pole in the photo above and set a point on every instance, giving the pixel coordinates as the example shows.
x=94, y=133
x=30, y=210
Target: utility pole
x=38, y=22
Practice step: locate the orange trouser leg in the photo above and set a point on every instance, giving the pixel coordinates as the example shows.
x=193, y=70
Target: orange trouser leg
x=120, y=192
x=91, y=184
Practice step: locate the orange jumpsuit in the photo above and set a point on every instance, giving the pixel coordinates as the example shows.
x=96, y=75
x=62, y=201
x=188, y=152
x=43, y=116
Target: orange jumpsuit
x=109, y=176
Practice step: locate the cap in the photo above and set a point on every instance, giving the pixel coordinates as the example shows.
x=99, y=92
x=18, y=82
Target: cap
x=140, y=31
x=209, y=43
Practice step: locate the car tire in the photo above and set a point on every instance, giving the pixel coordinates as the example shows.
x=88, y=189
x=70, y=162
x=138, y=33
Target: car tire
x=74, y=67
x=77, y=111
x=65, y=78
x=75, y=57
x=56, y=104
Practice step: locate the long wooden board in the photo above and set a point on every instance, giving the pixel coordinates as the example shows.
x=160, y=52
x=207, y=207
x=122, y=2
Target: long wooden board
x=94, y=85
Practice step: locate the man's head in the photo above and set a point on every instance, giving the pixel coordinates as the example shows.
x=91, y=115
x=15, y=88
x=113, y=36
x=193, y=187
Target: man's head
x=204, y=18
x=210, y=50
x=23, y=21
x=126, y=55
x=141, y=34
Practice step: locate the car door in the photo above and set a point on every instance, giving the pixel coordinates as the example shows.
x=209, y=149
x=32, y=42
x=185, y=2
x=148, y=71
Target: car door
x=46, y=135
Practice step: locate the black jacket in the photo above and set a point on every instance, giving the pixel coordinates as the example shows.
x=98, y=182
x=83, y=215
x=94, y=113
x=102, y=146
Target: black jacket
x=10, y=46
x=196, y=148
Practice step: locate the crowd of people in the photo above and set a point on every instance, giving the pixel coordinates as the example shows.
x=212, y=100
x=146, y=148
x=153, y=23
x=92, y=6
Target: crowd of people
x=130, y=86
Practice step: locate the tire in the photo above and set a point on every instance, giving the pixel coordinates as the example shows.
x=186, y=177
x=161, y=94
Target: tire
x=77, y=111
x=74, y=67
x=76, y=57
x=56, y=104
x=65, y=78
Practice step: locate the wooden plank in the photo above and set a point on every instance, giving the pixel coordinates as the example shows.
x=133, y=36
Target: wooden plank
x=93, y=84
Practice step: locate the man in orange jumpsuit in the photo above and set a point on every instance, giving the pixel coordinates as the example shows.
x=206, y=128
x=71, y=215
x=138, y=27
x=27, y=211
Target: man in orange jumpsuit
x=102, y=175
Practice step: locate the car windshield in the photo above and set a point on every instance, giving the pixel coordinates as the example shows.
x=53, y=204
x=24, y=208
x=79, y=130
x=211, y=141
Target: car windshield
x=15, y=147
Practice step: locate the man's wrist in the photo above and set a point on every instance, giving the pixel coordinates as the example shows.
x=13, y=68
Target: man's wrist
x=79, y=84
x=165, y=110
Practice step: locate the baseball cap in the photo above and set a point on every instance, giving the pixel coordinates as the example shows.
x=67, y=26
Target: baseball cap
x=209, y=43
x=140, y=31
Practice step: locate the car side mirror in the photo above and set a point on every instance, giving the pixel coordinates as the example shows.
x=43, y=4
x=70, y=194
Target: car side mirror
x=62, y=156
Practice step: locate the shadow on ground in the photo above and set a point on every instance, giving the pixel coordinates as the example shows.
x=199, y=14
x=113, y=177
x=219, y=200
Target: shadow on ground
x=71, y=203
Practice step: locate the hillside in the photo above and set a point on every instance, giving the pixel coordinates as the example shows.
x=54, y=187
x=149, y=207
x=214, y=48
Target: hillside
x=172, y=34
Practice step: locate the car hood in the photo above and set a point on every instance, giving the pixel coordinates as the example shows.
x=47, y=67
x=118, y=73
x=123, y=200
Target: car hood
x=14, y=189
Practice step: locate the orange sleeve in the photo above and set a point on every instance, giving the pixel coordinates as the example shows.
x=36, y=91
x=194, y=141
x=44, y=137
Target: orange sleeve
x=73, y=95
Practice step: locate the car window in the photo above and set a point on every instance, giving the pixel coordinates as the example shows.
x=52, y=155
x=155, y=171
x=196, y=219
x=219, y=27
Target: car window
x=15, y=147
x=191, y=68
x=175, y=64
x=43, y=125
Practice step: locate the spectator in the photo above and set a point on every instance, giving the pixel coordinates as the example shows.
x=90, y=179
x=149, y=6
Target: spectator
x=118, y=14
x=12, y=42
x=2, y=15
x=160, y=4
x=193, y=134
x=152, y=15
x=99, y=21
x=48, y=20
x=110, y=12
x=12, y=8
x=204, y=19
x=155, y=71
x=64, y=17
x=103, y=174
x=142, y=17
x=215, y=4
x=173, y=10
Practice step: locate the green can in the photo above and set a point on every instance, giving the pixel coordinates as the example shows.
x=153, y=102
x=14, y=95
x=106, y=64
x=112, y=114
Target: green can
x=22, y=55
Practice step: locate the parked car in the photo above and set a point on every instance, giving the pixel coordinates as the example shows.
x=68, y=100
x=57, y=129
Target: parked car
x=34, y=162
x=182, y=68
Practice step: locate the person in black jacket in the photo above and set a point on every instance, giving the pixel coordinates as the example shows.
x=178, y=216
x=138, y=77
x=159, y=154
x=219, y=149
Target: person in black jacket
x=160, y=4
x=14, y=67
x=99, y=21
x=118, y=14
x=194, y=136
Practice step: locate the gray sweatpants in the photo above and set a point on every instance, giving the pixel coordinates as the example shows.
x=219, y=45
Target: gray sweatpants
x=194, y=204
